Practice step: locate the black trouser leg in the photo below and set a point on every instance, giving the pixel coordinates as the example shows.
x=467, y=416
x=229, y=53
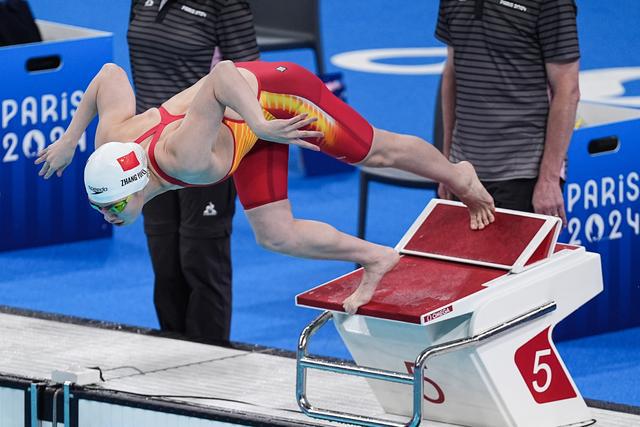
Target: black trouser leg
x=171, y=291
x=206, y=265
x=188, y=234
x=205, y=256
x=516, y=194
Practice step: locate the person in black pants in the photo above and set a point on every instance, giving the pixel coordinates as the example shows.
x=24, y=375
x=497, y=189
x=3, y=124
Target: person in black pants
x=172, y=45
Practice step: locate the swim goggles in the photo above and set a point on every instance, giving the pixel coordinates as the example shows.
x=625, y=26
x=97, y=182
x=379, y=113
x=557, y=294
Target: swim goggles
x=115, y=208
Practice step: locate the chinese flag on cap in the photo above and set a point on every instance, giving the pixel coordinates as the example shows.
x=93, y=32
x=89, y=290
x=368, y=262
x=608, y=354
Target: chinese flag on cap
x=128, y=161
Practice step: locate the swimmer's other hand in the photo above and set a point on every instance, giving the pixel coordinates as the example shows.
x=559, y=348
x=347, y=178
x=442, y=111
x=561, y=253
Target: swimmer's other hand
x=289, y=131
x=56, y=157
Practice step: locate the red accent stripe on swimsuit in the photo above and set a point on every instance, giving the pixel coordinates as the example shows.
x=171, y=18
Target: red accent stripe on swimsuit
x=165, y=119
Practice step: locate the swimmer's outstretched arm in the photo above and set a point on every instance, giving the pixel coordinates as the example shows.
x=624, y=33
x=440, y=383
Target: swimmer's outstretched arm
x=110, y=96
x=188, y=151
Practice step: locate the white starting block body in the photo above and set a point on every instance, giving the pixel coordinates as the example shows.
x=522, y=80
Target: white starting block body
x=453, y=283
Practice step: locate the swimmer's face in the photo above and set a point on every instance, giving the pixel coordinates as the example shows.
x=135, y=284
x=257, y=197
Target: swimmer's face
x=121, y=212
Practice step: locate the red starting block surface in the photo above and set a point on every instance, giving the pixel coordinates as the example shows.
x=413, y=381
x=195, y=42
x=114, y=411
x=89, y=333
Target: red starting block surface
x=415, y=287
x=445, y=262
x=513, y=242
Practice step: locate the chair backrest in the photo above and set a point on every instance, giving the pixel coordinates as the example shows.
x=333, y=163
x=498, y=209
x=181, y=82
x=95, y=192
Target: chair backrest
x=288, y=24
x=289, y=15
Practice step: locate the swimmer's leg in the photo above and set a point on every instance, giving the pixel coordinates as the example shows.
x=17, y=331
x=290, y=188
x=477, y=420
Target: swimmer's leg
x=276, y=229
x=413, y=154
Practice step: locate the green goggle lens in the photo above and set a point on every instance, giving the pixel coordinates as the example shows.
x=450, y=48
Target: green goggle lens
x=119, y=207
x=115, y=208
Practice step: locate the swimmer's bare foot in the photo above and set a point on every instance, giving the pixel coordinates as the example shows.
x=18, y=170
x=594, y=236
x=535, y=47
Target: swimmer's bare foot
x=373, y=273
x=472, y=193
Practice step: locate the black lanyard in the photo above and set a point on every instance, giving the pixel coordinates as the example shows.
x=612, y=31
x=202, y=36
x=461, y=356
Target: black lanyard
x=163, y=12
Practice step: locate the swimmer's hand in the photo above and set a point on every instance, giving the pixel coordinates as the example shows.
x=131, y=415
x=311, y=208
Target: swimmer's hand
x=289, y=131
x=56, y=157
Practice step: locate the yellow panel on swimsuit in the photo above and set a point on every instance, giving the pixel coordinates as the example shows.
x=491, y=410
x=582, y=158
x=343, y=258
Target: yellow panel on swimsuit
x=243, y=138
x=297, y=105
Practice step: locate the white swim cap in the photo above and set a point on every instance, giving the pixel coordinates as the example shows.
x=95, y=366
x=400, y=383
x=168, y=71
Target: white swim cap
x=114, y=171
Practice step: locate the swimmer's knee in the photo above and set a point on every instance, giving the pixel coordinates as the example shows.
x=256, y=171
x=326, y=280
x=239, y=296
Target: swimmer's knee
x=275, y=239
x=273, y=243
x=378, y=160
x=381, y=155
x=389, y=149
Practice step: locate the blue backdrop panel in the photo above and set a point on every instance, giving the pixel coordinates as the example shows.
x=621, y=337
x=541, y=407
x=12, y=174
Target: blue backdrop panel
x=36, y=108
x=603, y=207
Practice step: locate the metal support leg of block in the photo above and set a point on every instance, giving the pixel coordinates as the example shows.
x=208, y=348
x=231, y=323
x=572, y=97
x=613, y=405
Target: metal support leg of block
x=304, y=362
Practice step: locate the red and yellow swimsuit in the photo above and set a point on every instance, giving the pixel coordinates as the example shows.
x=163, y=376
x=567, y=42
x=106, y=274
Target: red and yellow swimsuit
x=284, y=90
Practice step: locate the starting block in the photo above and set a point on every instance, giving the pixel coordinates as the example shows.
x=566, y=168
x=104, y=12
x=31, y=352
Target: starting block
x=466, y=319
